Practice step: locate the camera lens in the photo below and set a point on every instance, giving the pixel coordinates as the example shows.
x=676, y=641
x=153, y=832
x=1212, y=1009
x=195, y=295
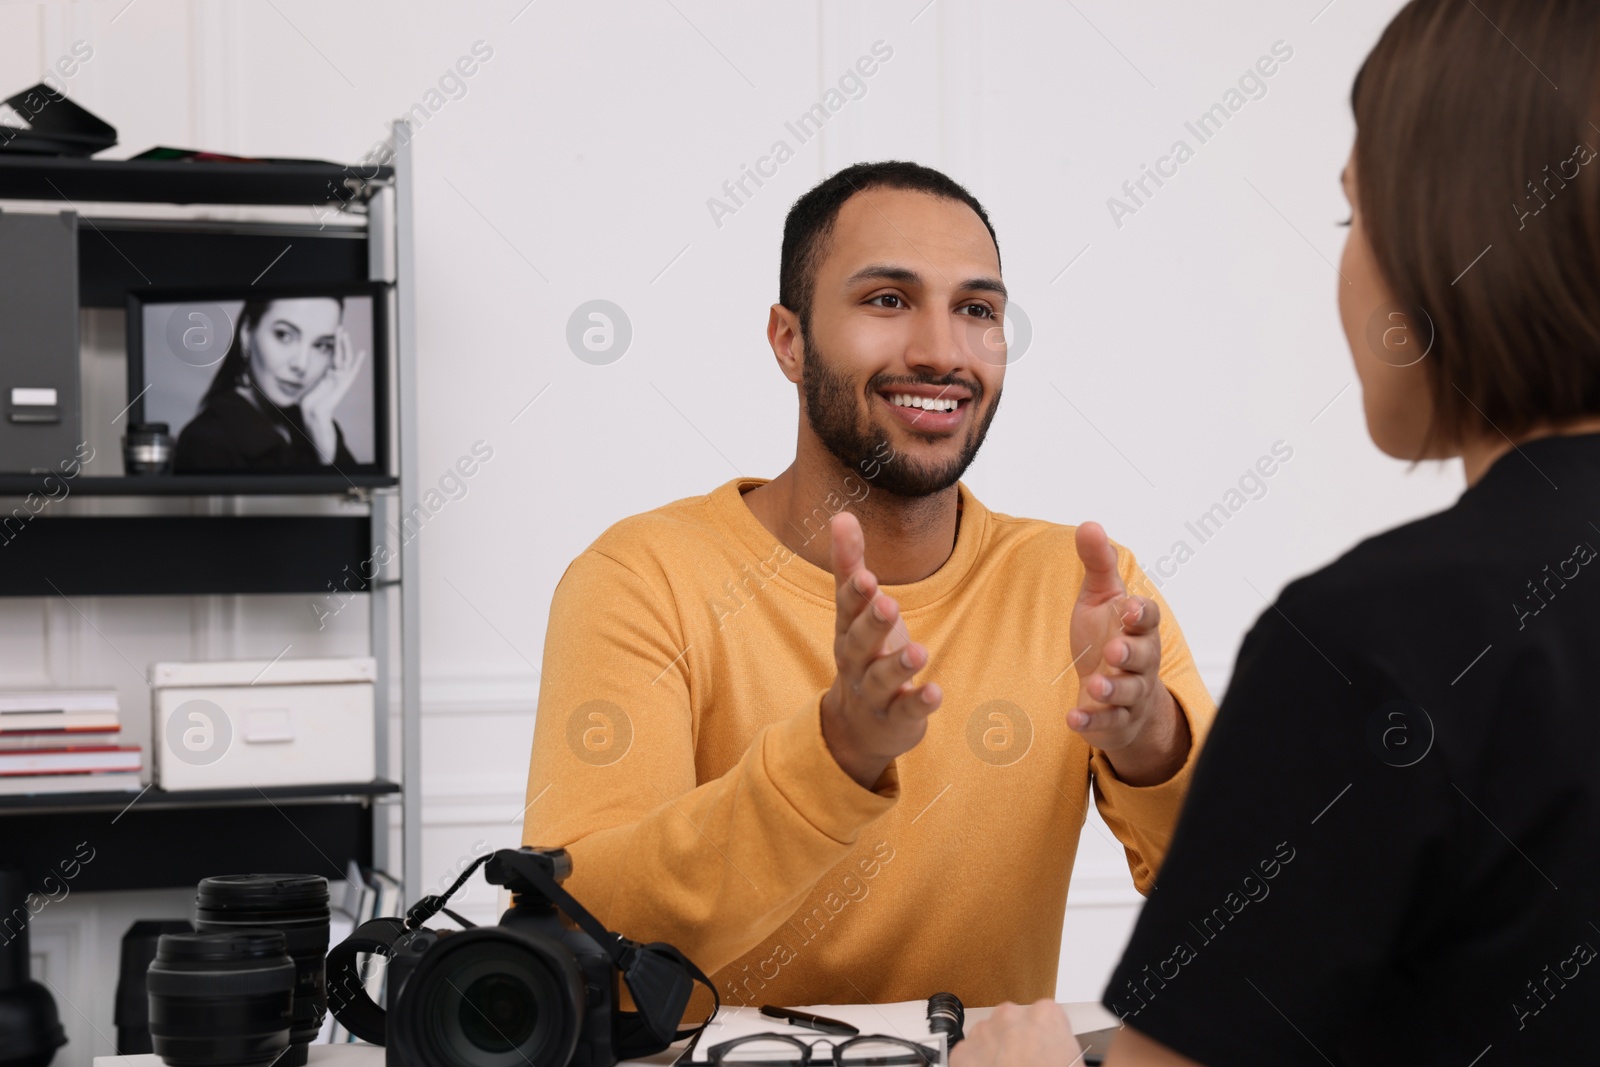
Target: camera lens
x=147, y=449
x=220, y=1000
x=497, y=1012
x=295, y=905
x=486, y=998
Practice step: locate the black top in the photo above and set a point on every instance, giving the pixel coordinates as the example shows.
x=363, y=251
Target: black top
x=232, y=433
x=1390, y=853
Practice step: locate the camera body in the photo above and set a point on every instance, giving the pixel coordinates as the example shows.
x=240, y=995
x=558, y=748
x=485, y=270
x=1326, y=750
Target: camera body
x=541, y=989
x=495, y=1018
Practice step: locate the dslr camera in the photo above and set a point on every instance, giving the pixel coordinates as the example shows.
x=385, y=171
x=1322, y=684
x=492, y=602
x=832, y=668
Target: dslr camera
x=539, y=990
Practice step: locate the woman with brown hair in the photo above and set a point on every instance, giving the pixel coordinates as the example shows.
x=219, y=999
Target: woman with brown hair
x=1390, y=853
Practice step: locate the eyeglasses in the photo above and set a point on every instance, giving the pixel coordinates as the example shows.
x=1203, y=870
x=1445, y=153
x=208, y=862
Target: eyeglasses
x=785, y=1050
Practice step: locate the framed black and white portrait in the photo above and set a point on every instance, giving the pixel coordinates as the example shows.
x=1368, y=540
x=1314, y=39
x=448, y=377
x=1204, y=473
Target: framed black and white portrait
x=263, y=380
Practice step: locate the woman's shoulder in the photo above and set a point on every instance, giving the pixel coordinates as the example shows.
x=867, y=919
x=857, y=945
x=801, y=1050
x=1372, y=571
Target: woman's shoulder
x=211, y=425
x=213, y=418
x=1426, y=557
x=1477, y=553
x=226, y=433
x=1398, y=605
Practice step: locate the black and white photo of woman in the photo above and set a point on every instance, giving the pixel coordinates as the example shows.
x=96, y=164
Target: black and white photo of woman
x=272, y=401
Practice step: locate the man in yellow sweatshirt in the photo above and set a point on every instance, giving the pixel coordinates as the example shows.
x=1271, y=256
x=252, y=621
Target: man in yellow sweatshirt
x=729, y=738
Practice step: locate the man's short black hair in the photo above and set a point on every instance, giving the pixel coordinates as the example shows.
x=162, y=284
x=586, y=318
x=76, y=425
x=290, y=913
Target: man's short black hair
x=810, y=220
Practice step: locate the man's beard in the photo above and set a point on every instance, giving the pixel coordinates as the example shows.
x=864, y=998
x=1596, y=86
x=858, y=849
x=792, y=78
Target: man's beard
x=833, y=409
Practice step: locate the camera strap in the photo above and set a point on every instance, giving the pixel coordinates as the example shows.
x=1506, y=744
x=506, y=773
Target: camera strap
x=347, y=991
x=658, y=976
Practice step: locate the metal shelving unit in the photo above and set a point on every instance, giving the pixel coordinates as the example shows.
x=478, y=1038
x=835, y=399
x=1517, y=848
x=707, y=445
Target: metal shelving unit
x=206, y=554
x=297, y=828
x=203, y=484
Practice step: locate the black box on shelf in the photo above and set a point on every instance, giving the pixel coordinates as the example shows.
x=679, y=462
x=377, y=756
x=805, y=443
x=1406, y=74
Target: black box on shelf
x=40, y=416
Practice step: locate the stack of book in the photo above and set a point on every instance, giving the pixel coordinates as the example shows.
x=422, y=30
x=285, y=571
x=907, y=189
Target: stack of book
x=64, y=741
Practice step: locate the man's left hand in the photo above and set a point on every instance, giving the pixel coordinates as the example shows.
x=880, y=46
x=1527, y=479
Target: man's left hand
x=1124, y=708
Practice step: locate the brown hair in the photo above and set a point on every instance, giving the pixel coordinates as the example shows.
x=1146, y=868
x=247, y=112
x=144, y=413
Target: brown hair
x=1476, y=128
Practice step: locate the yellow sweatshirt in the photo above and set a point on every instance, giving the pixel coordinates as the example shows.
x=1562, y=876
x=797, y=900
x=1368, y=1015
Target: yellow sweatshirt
x=678, y=755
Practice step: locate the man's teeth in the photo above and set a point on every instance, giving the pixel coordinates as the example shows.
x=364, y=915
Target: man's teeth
x=926, y=403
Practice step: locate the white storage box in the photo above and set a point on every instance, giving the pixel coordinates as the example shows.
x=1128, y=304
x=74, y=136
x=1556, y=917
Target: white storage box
x=244, y=723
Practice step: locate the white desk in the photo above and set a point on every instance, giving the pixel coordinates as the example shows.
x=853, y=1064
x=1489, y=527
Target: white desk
x=1084, y=1017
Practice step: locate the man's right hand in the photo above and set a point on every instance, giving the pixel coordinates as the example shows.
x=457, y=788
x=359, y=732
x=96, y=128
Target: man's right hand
x=872, y=713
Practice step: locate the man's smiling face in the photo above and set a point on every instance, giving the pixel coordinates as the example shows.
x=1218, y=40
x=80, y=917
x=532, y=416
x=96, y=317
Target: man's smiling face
x=904, y=353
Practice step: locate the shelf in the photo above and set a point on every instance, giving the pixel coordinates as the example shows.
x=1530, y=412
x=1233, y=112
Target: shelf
x=161, y=798
x=117, y=255
x=198, y=484
x=168, y=840
x=178, y=182
x=184, y=555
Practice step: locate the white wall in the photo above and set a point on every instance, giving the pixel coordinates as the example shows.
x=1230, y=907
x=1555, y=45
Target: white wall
x=578, y=165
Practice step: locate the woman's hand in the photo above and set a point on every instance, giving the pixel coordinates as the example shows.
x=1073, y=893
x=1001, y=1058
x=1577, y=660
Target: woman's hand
x=321, y=400
x=1035, y=1036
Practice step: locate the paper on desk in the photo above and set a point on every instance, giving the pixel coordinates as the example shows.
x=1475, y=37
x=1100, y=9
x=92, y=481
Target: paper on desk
x=906, y=1019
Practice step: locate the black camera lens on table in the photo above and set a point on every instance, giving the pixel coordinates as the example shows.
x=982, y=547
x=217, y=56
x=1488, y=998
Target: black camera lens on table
x=294, y=905
x=531, y=992
x=221, y=1000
